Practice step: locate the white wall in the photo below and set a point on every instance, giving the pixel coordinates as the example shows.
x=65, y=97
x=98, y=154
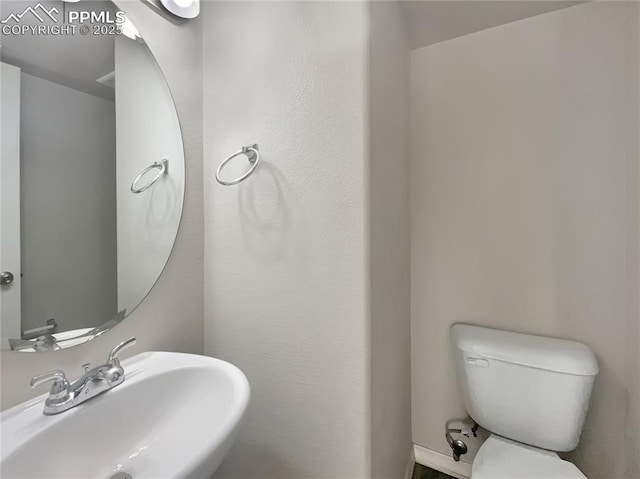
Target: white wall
x=389, y=235
x=286, y=250
x=147, y=130
x=632, y=441
x=68, y=174
x=524, y=208
x=170, y=318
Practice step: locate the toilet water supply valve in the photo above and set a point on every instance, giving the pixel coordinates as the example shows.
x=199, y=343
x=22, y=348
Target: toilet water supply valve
x=458, y=446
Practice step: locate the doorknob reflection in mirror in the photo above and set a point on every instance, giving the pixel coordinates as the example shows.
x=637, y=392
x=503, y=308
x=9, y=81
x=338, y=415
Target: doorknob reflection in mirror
x=6, y=277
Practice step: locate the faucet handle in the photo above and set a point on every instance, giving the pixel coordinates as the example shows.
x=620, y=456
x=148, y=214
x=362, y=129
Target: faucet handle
x=60, y=389
x=113, y=355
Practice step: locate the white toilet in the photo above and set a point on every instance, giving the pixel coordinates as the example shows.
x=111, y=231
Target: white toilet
x=530, y=392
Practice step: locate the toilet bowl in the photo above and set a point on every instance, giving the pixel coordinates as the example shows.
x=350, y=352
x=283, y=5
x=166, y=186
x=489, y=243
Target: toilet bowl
x=501, y=458
x=530, y=392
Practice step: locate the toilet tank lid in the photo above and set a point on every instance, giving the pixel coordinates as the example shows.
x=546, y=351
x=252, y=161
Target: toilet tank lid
x=551, y=354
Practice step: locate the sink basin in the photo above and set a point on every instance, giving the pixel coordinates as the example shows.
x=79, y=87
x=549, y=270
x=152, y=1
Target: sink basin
x=175, y=416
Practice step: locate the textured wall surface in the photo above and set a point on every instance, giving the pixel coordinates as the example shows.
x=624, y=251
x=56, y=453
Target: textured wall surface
x=389, y=236
x=525, y=208
x=170, y=318
x=286, y=250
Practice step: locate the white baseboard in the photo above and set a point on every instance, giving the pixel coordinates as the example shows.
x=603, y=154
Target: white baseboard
x=408, y=473
x=441, y=462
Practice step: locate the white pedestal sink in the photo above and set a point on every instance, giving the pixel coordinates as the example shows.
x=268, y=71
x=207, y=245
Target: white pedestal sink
x=175, y=416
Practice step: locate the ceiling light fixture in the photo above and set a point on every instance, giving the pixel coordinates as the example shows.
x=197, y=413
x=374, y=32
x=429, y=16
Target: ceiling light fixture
x=182, y=8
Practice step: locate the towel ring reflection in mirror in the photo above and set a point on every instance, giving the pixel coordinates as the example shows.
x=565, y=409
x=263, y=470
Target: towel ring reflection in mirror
x=163, y=166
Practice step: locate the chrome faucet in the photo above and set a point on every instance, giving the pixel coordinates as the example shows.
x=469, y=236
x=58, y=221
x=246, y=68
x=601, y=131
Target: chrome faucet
x=65, y=395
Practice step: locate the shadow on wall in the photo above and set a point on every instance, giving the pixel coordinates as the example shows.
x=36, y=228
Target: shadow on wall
x=164, y=202
x=267, y=212
x=271, y=465
x=262, y=203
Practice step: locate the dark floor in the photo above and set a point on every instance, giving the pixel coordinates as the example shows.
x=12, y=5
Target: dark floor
x=423, y=472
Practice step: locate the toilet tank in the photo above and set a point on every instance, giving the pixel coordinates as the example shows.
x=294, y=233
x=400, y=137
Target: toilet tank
x=531, y=389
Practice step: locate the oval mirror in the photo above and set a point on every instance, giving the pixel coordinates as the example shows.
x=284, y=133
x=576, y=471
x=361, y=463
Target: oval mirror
x=91, y=172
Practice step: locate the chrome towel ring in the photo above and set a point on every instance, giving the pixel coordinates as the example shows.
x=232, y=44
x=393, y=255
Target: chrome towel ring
x=253, y=155
x=163, y=166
